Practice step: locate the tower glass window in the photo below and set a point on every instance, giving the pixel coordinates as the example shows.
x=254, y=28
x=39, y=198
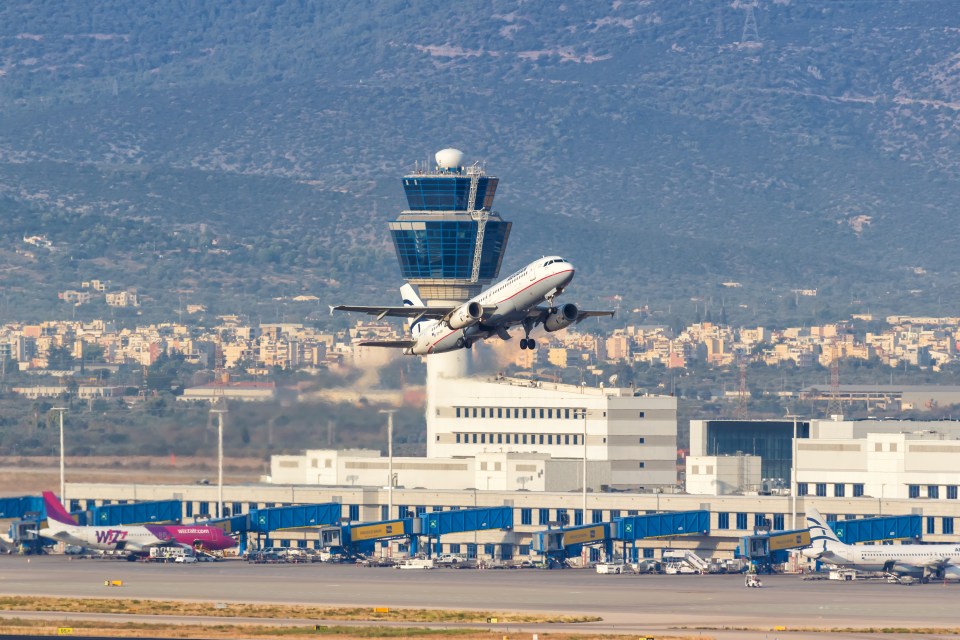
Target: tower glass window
x=445, y=248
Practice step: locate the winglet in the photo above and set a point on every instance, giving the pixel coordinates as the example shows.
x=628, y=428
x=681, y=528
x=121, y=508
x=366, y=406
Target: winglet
x=55, y=510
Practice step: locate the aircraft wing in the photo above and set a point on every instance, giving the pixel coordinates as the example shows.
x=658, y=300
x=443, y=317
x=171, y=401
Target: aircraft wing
x=396, y=344
x=584, y=314
x=396, y=312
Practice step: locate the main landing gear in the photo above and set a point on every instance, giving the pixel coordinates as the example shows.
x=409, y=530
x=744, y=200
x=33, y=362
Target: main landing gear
x=527, y=342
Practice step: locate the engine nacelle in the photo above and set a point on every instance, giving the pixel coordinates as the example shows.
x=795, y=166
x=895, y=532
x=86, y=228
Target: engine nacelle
x=466, y=315
x=561, y=317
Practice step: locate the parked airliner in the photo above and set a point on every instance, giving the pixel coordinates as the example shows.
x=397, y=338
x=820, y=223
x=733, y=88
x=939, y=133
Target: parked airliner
x=513, y=301
x=926, y=561
x=135, y=539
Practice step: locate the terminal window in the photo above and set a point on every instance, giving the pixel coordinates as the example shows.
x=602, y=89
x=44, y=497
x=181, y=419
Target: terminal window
x=857, y=490
x=914, y=491
x=839, y=490
x=947, y=526
x=822, y=489
x=933, y=491
x=723, y=520
x=802, y=489
x=952, y=492
x=741, y=521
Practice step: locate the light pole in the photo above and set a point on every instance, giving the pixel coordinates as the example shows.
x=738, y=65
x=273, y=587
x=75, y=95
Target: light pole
x=389, y=413
x=793, y=472
x=219, y=413
x=63, y=498
x=584, y=465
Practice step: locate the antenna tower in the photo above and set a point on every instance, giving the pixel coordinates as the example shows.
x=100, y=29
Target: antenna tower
x=750, y=33
x=742, y=397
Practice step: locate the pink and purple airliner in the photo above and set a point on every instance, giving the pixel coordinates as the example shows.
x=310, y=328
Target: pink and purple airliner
x=135, y=539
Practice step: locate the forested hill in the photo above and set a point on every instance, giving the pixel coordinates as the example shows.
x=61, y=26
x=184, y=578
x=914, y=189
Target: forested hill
x=230, y=153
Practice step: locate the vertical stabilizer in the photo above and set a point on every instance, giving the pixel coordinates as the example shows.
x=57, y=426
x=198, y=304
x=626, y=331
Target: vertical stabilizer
x=57, y=516
x=409, y=296
x=822, y=535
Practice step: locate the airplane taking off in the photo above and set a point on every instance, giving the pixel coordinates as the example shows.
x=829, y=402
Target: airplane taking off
x=513, y=301
x=926, y=561
x=135, y=539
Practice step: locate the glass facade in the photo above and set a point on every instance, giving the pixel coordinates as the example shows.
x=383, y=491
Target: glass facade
x=447, y=193
x=445, y=248
x=768, y=439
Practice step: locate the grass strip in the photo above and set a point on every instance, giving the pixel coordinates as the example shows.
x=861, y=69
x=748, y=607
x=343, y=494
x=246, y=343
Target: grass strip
x=250, y=610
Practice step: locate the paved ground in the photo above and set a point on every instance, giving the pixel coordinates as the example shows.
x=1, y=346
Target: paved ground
x=708, y=606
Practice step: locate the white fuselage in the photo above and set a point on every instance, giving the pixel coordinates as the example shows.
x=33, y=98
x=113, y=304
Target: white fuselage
x=134, y=538
x=513, y=298
x=899, y=558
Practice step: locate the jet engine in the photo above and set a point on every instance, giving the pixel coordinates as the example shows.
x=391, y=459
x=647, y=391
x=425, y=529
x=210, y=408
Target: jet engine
x=465, y=315
x=561, y=317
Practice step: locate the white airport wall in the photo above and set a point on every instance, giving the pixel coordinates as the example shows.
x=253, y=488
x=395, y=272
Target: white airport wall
x=723, y=475
x=495, y=470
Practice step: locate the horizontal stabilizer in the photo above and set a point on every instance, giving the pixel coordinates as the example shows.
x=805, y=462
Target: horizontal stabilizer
x=396, y=344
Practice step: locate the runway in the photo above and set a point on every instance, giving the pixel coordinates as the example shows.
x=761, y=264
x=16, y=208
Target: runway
x=716, y=606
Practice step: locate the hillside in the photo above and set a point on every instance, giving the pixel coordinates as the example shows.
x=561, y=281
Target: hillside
x=228, y=155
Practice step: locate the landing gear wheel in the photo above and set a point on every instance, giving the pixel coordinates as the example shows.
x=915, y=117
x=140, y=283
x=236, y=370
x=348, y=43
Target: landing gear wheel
x=468, y=344
x=531, y=344
x=523, y=343
x=924, y=580
x=460, y=343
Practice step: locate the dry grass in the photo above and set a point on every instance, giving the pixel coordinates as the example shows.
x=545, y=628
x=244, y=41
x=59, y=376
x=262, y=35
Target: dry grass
x=228, y=631
x=209, y=609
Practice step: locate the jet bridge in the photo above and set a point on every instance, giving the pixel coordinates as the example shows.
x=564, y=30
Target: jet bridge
x=629, y=529
x=109, y=515
x=439, y=523
x=878, y=529
x=567, y=542
x=357, y=538
x=19, y=506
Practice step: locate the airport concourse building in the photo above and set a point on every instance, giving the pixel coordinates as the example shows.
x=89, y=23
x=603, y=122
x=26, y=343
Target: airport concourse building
x=493, y=470
x=631, y=437
x=509, y=434
x=895, y=459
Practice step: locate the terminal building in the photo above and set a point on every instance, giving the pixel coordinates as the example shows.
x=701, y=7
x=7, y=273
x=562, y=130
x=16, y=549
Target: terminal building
x=506, y=433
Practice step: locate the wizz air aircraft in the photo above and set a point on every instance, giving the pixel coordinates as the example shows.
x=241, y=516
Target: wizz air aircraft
x=516, y=300
x=926, y=561
x=136, y=539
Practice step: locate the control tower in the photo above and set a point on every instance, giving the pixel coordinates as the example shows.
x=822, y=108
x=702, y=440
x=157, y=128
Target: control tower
x=449, y=241
x=450, y=245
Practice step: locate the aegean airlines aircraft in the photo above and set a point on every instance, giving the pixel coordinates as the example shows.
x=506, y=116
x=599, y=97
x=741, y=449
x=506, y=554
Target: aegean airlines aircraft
x=513, y=301
x=926, y=561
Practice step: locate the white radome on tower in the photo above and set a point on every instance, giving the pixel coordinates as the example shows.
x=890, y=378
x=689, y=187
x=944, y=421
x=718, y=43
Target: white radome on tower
x=448, y=159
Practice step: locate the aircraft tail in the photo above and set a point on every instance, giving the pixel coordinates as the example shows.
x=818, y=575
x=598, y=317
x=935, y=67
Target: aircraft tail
x=57, y=517
x=822, y=535
x=410, y=299
x=409, y=296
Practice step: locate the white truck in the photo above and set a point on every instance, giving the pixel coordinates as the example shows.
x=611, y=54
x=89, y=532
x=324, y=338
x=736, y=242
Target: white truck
x=416, y=563
x=613, y=567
